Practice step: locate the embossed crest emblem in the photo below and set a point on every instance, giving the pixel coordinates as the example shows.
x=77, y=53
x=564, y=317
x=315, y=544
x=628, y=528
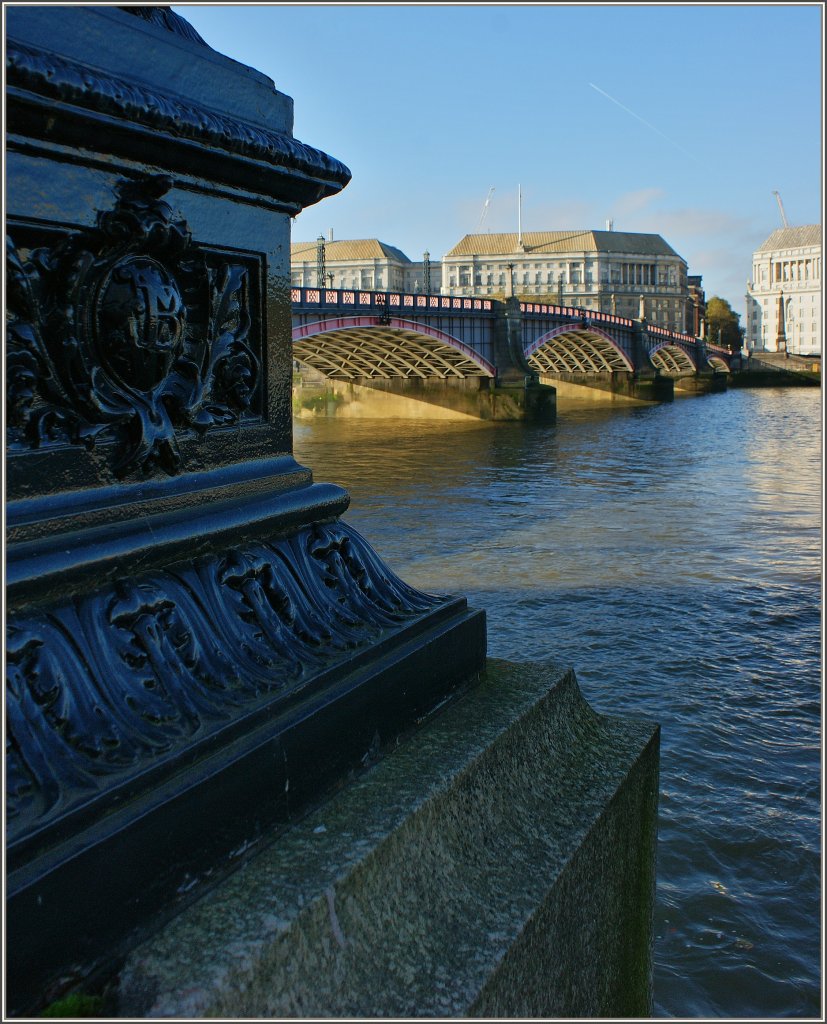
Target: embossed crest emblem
x=127, y=332
x=140, y=322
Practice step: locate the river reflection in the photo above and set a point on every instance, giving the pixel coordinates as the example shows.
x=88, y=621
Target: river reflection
x=672, y=555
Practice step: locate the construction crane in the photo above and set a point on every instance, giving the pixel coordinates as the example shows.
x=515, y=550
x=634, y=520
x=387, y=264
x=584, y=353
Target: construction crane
x=781, y=208
x=485, y=206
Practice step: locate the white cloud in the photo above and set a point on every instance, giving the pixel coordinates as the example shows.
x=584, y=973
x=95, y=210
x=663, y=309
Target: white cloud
x=632, y=202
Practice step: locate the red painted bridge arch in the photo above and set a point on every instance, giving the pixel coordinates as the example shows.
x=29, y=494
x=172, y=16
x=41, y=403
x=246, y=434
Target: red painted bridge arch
x=349, y=347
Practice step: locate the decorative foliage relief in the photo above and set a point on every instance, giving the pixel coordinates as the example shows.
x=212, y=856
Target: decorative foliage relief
x=125, y=332
x=106, y=685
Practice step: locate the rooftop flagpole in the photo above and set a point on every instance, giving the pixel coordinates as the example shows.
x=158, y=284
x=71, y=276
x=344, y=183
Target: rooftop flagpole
x=519, y=215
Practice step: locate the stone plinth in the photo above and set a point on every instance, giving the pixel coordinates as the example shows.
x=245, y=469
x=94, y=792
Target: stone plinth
x=499, y=863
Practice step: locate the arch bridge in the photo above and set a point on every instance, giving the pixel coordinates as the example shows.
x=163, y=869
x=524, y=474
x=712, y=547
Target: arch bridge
x=490, y=358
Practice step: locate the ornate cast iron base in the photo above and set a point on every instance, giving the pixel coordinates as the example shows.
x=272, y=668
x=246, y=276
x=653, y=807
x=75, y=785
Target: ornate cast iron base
x=163, y=724
x=198, y=649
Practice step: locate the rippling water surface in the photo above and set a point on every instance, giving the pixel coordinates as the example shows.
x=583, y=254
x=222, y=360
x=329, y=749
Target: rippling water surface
x=672, y=555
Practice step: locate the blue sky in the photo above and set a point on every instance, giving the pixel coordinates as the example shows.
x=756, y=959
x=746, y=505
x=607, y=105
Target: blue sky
x=675, y=119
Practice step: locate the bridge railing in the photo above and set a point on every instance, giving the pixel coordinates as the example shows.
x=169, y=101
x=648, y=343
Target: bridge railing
x=718, y=349
x=575, y=312
x=688, y=339
x=398, y=301
x=664, y=332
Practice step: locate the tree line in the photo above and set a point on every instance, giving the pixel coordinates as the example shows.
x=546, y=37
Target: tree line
x=723, y=324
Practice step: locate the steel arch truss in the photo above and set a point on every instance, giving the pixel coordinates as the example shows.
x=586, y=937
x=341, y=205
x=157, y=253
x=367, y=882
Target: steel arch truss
x=672, y=361
x=371, y=346
x=718, y=364
x=571, y=349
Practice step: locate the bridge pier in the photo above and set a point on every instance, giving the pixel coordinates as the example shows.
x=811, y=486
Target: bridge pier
x=613, y=386
x=423, y=398
x=655, y=388
x=517, y=393
x=706, y=382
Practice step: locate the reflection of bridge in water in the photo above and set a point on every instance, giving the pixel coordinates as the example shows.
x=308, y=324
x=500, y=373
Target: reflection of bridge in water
x=494, y=359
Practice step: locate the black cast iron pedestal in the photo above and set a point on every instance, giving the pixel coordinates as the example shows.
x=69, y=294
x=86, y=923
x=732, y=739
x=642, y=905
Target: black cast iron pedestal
x=197, y=647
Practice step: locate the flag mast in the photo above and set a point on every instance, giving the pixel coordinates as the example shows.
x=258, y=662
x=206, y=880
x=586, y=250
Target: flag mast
x=519, y=215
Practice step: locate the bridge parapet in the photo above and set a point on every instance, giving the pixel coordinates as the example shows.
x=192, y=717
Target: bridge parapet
x=396, y=301
x=664, y=332
x=575, y=313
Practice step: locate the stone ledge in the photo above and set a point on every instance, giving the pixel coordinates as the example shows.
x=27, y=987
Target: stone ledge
x=500, y=862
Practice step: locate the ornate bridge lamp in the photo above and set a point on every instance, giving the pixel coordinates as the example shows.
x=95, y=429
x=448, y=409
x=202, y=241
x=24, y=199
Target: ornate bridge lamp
x=426, y=268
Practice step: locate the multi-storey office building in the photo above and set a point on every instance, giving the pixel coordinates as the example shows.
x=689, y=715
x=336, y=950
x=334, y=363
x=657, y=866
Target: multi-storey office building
x=696, y=307
x=784, y=295
x=364, y=263
x=620, y=272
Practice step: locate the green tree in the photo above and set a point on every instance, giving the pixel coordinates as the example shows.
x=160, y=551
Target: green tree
x=723, y=323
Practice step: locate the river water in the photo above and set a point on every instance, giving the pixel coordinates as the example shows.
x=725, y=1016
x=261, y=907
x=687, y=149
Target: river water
x=671, y=554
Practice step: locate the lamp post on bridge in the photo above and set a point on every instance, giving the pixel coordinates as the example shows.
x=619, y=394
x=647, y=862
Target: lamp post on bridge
x=426, y=271
x=320, y=262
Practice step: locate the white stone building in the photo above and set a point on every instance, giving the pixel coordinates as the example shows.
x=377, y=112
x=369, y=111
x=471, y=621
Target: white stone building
x=785, y=292
x=364, y=263
x=601, y=270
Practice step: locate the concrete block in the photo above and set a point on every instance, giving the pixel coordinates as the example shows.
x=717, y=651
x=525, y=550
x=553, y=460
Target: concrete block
x=500, y=862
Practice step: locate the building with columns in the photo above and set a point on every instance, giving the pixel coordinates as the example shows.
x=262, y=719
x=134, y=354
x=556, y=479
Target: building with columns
x=626, y=273
x=620, y=272
x=364, y=263
x=783, y=301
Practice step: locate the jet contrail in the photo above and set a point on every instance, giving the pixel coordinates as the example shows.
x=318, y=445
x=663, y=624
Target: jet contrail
x=642, y=120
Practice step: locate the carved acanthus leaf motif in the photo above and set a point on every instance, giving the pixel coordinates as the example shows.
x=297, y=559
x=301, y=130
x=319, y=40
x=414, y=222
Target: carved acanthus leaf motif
x=127, y=332
x=108, y=684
